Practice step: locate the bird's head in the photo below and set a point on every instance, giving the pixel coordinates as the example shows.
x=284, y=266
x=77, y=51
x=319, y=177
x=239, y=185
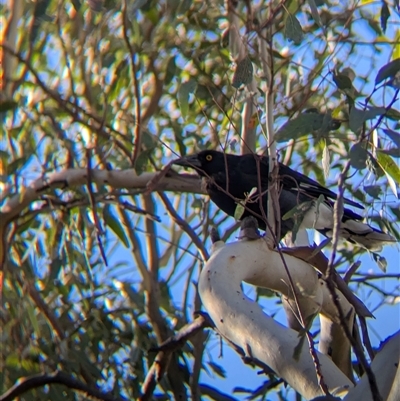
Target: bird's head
x=206, y=162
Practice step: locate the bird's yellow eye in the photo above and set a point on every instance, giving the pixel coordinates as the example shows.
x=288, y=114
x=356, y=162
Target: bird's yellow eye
x=208, y=158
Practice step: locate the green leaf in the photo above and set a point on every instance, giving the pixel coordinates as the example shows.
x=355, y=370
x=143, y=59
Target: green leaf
x=388, y=71
x=342, y=81
x=358, y=156
x=390, y=168
x=183, y=96
x=17, y=164
x=395, y=152
x=385, y=14
x=358, y=117
x=304, y=124
x=224, y=41
x=394, y=136
x=238, y=212
x=393, y=114
x=170, y=71
x=264, y=292
x=373, y=190
x=293, y=29
x=142, y=161
x=33, y=319
x=217, y=369
x=243, y=73
x=13, y=360
x=112, y=221
x=298, y=211
x=314, y=13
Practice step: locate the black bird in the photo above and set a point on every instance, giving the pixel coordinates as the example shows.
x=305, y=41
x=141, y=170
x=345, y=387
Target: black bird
x=230, y=178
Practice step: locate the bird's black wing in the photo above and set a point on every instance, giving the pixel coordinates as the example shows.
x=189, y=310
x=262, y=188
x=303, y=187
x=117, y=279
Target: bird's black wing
x=296, y=181
x=291, y=179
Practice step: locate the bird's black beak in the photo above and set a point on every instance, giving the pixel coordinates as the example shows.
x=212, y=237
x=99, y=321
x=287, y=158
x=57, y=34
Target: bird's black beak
x=188, y=161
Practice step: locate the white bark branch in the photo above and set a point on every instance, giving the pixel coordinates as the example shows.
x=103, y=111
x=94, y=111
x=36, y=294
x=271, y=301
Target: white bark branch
x=385, y=366
x=113, y=178
x=244, y=323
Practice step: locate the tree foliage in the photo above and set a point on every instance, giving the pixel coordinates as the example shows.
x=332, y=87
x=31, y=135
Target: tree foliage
x=100, y=257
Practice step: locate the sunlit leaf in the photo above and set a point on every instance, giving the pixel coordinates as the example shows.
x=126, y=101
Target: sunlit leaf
x=391, y=170
x=394, y=152
x=239, y=211
x=326, y=161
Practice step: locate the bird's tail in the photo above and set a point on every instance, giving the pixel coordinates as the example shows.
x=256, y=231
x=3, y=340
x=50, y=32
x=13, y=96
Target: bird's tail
x=364, y=235
x=320, y=217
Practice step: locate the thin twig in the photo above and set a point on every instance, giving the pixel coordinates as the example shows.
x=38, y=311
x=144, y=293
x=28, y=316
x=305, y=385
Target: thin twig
x=70, y=107
x=185, y=226
x=138, y=120
x=337, y=217
x=99, y=230
x=165, y=350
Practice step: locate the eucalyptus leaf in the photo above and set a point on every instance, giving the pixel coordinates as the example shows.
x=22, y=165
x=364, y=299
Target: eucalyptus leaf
x=185, y=90
x=315, y=13
x=342, y=81
x=304, y=124
x=239, y=211
x=358, y=117
x=358, y=156
x=293, y=30
x=394, y=136
x=391, y=170
x=385, y=14
x=217, y=369
x=112, y=221
x=373, y=190
x=326, y=161
x=388, y=71
x=243, y=73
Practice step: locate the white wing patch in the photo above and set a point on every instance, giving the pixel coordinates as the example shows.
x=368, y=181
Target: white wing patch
x=321, y=218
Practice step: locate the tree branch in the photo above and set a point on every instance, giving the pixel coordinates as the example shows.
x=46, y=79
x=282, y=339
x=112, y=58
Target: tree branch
x=165, y=351
x=25, y=384
x=244, y=323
